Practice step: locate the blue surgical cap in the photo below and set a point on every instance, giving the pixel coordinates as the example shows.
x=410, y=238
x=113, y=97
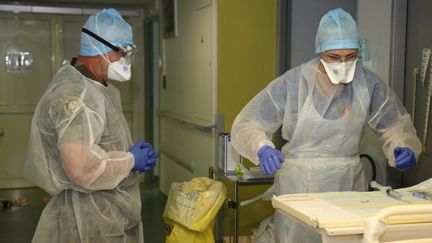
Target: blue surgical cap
x=110, y=26
x=336, y=30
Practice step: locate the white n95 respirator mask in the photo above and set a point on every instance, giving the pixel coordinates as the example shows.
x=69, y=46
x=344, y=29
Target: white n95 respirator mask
x=119, y=70
x=342, y=72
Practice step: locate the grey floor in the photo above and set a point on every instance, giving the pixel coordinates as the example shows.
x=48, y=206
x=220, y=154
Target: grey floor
x=18, y=223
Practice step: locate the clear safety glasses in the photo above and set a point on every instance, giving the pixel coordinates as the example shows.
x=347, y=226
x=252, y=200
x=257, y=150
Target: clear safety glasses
x=128, y=52
x=333, y=58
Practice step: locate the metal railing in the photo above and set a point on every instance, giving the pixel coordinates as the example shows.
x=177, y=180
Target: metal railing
x=194, y=122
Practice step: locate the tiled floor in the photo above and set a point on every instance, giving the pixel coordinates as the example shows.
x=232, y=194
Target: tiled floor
x=18, y=223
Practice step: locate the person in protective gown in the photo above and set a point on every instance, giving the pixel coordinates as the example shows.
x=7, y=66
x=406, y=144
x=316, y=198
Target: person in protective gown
x=80, y=148
x=323, y=106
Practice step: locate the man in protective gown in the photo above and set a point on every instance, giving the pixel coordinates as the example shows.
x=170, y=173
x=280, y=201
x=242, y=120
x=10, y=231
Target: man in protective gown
x=80, y=148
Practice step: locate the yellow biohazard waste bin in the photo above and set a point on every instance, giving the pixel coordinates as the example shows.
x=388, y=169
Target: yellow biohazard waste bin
x=191, y=208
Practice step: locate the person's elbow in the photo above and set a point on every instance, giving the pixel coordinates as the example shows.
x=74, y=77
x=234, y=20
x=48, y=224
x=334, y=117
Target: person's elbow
x=79, y=167
x=77, y=177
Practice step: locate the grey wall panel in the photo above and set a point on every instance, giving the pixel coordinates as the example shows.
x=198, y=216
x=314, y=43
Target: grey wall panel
x=188, y=89
x=305, y=18
x=374, y=21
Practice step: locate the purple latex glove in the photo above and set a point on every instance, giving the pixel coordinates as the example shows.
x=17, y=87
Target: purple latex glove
x=270, y=159
x=144, y=155
x=405, y=158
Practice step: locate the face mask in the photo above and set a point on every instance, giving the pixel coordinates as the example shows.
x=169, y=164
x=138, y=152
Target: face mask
x=119, y=70
x=340, y=72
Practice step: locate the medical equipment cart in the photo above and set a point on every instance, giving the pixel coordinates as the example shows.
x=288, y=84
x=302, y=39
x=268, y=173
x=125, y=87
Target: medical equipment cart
x=233, y=203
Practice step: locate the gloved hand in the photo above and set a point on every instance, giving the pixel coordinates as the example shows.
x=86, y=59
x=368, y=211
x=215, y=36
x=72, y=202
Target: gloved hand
x=144, y=155
x=270, y=159
x=405, y=158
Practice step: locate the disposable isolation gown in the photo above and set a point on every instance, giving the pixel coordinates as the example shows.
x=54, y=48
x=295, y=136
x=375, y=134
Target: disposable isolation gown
x=322, y=124
x=78, y=154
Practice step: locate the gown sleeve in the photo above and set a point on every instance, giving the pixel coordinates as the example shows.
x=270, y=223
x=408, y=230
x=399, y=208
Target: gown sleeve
x=390, y=120
x=80, y=123
x=260, y=118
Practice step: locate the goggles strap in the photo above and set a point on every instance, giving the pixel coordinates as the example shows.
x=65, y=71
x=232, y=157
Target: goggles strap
x=88, y=32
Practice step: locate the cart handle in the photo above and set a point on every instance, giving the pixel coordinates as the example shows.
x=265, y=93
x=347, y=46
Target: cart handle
x=375, y=225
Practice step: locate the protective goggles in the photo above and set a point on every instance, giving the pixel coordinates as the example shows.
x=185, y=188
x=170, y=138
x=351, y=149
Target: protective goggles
x=127, y=52
x=333, y=58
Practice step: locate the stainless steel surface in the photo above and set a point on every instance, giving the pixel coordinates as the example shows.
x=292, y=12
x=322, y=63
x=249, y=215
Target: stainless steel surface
x=238, y=182
x=236, y=211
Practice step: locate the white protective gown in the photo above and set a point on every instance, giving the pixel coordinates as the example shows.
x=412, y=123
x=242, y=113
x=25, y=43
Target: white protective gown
x=323, y=124
x=78, y=153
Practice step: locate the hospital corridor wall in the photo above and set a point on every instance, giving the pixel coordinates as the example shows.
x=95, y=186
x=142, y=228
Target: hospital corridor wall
x=223, y=53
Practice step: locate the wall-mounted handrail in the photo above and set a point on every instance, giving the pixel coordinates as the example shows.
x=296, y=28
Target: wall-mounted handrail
x=197, y=123
x=169, y=152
